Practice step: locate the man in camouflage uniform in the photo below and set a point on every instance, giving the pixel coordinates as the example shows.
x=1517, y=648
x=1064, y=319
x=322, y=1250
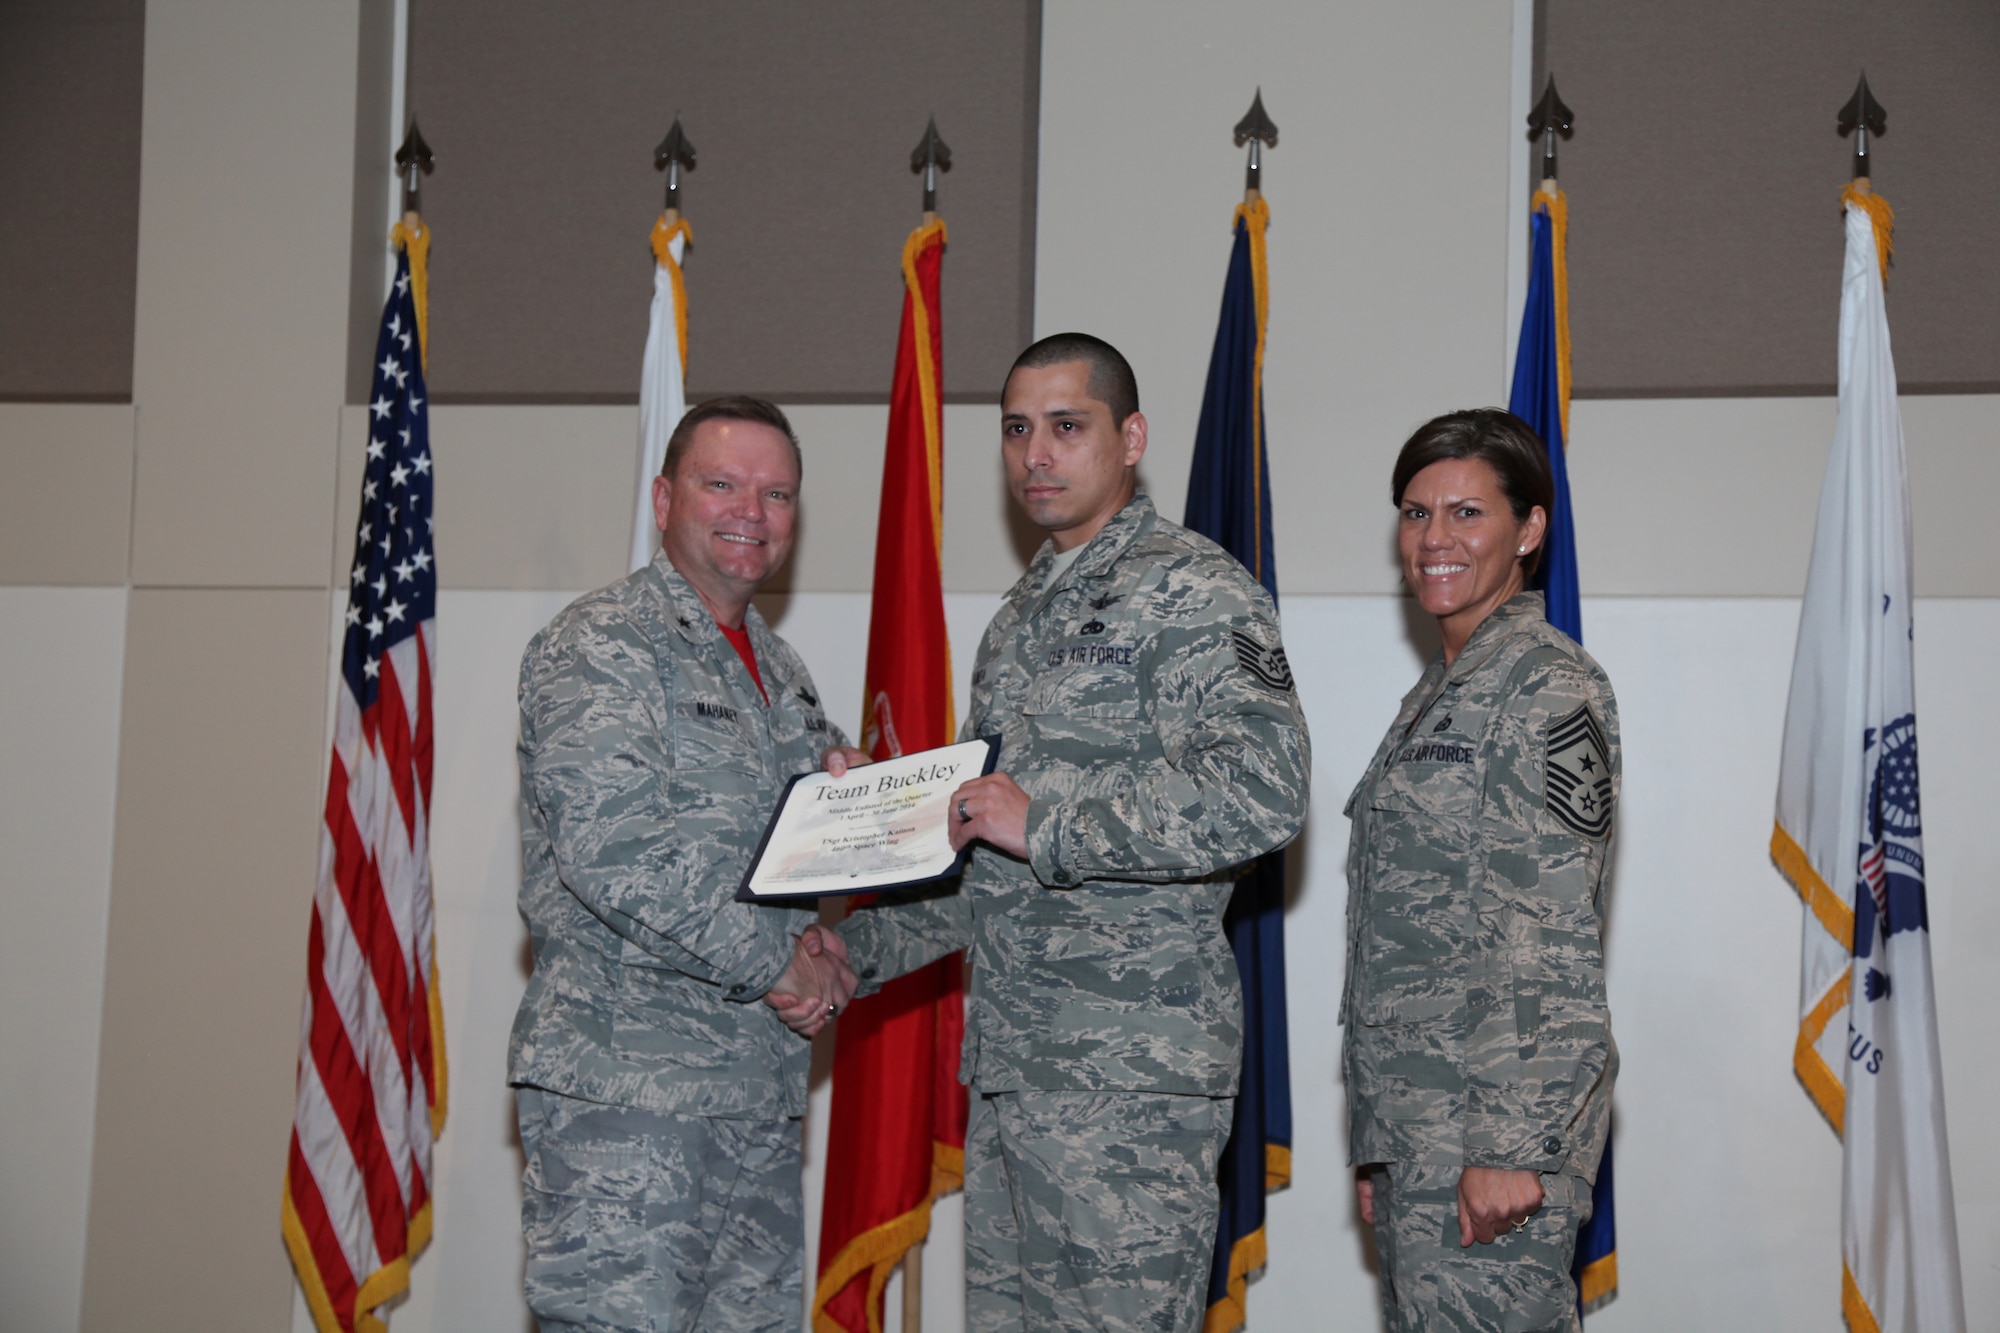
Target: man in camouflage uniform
x=1477, y=1035
x=1151, y=745
x=659, y=1099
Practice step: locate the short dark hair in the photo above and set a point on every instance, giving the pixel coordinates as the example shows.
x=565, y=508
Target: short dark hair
x=735, y=407
x=1496, y=438
x=1111, y=379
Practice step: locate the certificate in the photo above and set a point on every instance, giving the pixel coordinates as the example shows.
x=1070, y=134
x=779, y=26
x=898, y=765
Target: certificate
x=882, y=826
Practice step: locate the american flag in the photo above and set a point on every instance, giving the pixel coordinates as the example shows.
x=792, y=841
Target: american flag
x=371, y=1047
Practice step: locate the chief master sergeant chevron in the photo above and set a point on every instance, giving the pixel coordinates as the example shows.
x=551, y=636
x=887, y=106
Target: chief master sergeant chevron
x=659, y=1092
x=1151, y=745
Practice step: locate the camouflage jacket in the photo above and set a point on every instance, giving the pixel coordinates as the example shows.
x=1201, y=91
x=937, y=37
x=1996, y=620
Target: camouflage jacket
x=649, y=767
x=1476, y=1027
x=1144, y=704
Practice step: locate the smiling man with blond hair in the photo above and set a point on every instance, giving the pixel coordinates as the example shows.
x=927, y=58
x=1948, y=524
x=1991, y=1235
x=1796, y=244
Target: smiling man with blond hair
x=658, y=1088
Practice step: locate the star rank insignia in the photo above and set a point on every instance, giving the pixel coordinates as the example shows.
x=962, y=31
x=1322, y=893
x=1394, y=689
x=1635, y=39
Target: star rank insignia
x=1578, y=774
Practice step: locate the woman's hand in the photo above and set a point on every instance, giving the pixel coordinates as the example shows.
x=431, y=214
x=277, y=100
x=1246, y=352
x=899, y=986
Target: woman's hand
x=1492, y=1201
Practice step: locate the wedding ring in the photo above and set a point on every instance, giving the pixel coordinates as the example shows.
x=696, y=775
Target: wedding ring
x=832, y=1009
x=963, y=817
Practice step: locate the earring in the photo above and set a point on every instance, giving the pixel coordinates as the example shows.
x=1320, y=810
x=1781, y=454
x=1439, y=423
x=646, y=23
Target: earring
x=1521, y=551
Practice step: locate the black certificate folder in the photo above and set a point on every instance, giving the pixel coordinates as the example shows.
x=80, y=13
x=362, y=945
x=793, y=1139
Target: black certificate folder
x=883, y=826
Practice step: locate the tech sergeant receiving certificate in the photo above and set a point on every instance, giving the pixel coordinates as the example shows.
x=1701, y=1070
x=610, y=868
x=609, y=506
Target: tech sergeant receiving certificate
x=881, y=826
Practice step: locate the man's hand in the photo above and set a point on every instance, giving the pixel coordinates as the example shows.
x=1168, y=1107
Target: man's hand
x=1492, y=1201
x=817, y=985
x=839, y=758
x=1364, y=1194
x=994, y=810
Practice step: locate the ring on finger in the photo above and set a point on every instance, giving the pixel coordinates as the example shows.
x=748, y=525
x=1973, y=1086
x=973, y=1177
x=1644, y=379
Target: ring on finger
x=963, y=817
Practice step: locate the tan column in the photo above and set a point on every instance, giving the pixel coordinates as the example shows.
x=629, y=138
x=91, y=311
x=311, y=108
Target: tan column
x=240, y=363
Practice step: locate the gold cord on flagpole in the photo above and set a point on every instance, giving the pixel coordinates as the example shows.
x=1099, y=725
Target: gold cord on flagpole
x=670, y=225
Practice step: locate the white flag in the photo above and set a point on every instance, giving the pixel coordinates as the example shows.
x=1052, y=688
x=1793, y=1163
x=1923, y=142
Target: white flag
x=1850, y=838
x=662, y=391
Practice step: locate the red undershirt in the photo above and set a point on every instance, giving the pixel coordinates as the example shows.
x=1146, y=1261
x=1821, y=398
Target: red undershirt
x=739, y=639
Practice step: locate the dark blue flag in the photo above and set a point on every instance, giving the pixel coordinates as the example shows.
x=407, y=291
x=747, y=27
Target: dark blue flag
x=1538, y=399
x=1229, y=502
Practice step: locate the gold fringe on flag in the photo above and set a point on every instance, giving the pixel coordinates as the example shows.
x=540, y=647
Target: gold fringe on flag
x=1837, y=919
x=1256, y=216
x=1557, y=207
x=879, y=1249
x=414, y=238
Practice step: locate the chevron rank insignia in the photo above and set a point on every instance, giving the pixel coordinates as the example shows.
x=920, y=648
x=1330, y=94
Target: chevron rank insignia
x=1578, y=773
x=1267, y=666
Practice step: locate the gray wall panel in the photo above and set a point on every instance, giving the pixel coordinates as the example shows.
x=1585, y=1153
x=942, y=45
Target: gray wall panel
x=70, y=78
x=544, y=117
x=1704, y=184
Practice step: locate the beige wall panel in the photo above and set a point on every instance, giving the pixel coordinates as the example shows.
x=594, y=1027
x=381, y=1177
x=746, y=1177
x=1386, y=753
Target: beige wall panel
x=1717, y=497
x=541, y=497
x=245, y=232
x=1388, y=257
x=1954, y=447
x=65, y=492
x=527, y=497
x=61, y=657
x=844, y=448
x=219, y=781
x=371, y=260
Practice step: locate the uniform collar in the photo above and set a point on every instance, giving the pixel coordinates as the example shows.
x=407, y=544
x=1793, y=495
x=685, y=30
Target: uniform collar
x=690, y=616
x=1101, y=553
x=1522, y=608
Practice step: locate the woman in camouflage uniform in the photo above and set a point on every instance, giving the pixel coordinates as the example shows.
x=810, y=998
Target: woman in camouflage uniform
x=1478, y=1052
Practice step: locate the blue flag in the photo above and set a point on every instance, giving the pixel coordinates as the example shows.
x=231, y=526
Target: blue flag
x=1229, y=502
x=1540, y=386
x=1538, y=400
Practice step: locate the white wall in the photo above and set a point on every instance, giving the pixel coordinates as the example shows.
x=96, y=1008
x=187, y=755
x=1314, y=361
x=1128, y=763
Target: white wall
x=62, y=651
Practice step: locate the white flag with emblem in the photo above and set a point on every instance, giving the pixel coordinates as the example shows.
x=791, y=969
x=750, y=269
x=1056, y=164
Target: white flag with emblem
x=1850, y=838
x=662, y=387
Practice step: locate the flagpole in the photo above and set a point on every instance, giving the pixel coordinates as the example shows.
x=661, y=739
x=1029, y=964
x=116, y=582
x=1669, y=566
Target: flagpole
x=414, y=161
x=930, y=157
x=1229, y=502
x=663, y=365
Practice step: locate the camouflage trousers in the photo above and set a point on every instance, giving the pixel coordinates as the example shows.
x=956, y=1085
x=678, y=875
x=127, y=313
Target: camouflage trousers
x=640, y=1220
x=1090, y=1210
x=1518, y=1284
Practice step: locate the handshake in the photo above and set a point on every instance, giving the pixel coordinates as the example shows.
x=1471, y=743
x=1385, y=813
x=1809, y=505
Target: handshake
x=817, y=985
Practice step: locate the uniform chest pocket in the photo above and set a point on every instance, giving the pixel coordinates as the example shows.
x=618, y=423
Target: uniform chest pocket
x=1422, y=814
x=1086, y=710
x=1420, y=785
x=710, y=734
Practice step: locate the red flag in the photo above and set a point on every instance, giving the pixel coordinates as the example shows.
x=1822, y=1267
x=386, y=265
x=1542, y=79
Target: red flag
x=896, y=1139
